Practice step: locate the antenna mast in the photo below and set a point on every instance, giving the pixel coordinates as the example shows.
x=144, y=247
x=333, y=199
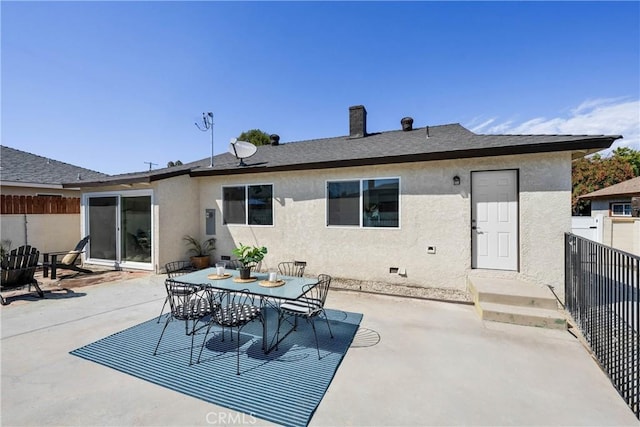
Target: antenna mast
x=207, y=123
x=151, y=164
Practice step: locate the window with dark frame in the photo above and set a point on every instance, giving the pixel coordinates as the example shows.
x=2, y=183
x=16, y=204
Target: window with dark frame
x=248, y=204
x=364, y=203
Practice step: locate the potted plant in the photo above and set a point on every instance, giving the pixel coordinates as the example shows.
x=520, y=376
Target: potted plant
x=200, y=251
x=248, y=256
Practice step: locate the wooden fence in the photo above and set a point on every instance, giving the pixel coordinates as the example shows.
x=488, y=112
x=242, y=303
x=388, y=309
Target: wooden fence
x=39, y=205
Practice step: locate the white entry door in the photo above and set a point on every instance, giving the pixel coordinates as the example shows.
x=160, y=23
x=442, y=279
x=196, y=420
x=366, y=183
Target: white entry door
x=494, y=219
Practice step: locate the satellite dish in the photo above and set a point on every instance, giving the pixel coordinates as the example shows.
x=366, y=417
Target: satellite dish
x=242, y=150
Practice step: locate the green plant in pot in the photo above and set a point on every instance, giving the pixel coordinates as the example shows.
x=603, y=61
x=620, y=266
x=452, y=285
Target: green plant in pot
x=200, y=251
x=248, y=257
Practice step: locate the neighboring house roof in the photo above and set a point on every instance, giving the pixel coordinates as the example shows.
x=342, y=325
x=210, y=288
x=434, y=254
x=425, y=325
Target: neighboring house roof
x=628, y=188
x=25, y=169
x=451, y=141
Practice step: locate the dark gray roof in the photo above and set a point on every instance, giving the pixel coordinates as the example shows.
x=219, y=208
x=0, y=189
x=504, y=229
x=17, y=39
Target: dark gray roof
x=27, y=168
x=451, y=141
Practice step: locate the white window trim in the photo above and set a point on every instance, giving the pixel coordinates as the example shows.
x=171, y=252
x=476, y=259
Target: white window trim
x=125, y=193
x=246, y=213
x=361, y=180
x=623, y=209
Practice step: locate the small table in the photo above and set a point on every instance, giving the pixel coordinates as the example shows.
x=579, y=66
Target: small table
x=292, y=289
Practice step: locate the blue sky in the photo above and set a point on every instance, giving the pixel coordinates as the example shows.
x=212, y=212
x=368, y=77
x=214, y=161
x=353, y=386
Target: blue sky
x=111, y=85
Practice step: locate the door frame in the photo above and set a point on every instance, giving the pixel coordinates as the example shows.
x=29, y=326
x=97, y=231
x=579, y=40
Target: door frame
x=517, y=219
x=118, y=262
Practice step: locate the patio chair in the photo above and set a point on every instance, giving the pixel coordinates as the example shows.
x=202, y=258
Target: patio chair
x=292, y=268
x=68, y=261
x=309, y=306
x=174, y=269
x=18, y=270
x=233, y=309
x=190, y=304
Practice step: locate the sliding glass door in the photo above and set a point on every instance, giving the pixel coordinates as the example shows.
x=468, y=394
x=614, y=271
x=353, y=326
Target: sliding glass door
x=103, y=214
x=120, y=225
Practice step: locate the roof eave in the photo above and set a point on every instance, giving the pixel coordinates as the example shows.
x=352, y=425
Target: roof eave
x=139, y=179
x=609, y=196
x=572, y=146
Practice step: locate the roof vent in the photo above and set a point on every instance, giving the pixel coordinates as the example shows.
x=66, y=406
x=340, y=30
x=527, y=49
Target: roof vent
x=357, y=121
x=407, y=123
x=275, y=139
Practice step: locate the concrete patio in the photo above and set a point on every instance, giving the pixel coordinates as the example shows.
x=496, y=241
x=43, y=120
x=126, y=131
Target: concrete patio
x=413, y=363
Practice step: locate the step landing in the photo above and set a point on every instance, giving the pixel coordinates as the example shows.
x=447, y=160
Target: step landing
x=516, y=302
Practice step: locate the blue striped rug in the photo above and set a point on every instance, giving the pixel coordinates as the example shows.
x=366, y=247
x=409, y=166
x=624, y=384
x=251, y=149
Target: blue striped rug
x=285, y=386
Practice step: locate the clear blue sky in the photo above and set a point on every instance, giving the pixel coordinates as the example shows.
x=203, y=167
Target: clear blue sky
x=111, y=85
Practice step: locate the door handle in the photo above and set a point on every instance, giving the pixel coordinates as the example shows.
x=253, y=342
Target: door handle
x=473, y=227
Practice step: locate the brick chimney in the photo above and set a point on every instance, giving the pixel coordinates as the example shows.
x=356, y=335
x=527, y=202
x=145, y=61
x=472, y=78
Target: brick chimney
x=357, y=121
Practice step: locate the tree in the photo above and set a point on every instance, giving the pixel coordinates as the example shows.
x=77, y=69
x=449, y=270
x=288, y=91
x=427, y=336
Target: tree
x=629, y=155
x=255, y=136
x=596, y=172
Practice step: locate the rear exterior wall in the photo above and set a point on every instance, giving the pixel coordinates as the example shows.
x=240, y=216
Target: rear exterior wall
x=433, y=212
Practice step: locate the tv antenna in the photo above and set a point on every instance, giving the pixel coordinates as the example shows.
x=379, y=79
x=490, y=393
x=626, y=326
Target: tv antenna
x=151, y=164
x=242, y=150
x=207, y=124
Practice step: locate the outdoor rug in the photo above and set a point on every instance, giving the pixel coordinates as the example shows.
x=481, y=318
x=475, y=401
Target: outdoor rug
x=284, y=386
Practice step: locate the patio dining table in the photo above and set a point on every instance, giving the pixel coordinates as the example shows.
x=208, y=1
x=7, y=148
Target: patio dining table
x=287, y=288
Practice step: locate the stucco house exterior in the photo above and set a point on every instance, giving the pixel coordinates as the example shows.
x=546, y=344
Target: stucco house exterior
x=428, y=206
x=619, y=207
x=25, y=180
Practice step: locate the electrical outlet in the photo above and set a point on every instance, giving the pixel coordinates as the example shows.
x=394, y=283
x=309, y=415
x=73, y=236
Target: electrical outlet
x=431, y=249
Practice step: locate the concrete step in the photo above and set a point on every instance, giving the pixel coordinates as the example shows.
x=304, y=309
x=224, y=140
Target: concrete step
x=524, y=316
x=512, y=292
x=516, y=302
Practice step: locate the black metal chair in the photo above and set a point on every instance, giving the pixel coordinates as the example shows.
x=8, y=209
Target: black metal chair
x=309, y=306
x=174, y=269
x=190, y=304
x=292, y=268
x=233, y=309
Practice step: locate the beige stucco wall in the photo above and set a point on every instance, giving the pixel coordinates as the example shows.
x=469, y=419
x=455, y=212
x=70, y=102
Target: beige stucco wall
x=177, y=213
x=434, y=212
x=48, y=233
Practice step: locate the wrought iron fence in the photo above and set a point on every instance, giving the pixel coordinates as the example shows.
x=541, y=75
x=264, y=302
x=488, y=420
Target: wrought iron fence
x=602, y=294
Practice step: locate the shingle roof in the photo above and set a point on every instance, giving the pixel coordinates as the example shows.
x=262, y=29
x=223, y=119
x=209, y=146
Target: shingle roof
x=630, y=187
x=451, y=141
x=23, y=167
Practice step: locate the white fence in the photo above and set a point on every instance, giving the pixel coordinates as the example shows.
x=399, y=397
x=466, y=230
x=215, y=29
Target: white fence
x=588, y=227
x=617, y=232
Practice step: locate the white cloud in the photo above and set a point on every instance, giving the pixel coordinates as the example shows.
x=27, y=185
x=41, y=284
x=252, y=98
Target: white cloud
x=593, y=117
